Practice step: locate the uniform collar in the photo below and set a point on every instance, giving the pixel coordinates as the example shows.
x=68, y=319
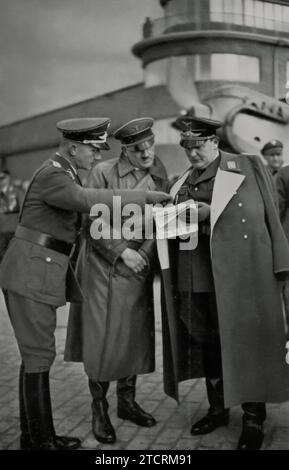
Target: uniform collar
x=210, y=171
x=68, y=167
x=65, y=161
x=125, y=167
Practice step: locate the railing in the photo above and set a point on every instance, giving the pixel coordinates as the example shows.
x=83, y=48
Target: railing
x=218, y=20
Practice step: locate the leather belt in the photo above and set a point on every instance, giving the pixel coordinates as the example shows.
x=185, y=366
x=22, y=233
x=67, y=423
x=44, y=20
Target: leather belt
x=43, y=239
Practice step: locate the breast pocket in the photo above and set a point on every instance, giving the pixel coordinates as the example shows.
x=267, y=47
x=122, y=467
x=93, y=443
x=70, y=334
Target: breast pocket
x=47, y=271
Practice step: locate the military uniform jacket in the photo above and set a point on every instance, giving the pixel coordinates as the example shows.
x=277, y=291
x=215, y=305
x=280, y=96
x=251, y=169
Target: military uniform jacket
x=249, y=252
x=51, y=206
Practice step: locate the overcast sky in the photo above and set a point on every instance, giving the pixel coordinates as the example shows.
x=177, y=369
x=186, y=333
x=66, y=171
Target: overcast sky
x=57, y=52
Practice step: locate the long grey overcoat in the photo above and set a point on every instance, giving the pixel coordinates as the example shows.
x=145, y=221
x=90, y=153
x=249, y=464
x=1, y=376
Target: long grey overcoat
x=112, y=332
x=249, y=253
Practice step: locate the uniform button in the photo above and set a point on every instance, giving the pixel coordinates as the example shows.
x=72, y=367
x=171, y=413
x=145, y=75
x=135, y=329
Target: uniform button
x=196, y=189
x=245, y=236
x=240, y=204
x=48, y=259
x=243, y=221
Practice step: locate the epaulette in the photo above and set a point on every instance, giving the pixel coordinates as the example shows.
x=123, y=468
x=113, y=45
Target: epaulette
x=232, y=165
x=56, y=164
x=71, y=174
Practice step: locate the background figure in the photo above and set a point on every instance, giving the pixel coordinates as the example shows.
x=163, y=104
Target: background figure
x=282, y=184
x=228, y=320
x=273, y=154
x=11, y=198
x=112, y=332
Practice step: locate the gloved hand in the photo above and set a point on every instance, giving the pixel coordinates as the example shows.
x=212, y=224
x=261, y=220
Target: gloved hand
x=157, y=197
x=203, y=211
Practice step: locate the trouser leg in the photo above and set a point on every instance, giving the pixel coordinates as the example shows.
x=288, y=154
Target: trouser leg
x=127, y=407
x=34, y=324
x=213, y=374
x=101, y=425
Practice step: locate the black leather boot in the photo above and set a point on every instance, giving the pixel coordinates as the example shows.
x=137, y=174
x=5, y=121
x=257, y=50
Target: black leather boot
x=36, y=394
x=217, y=415
x=127, y=408
x=252, y=432
x=25, y=443
x=101, y=425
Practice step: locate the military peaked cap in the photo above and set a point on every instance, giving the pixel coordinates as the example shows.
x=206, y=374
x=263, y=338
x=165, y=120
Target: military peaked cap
x=195, y=131
x=272, y=144
x=90, y=131
x=136, y=133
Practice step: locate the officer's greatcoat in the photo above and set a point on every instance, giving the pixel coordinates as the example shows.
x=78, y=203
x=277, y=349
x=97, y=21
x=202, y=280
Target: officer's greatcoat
x=112, y=332
x=249, y=252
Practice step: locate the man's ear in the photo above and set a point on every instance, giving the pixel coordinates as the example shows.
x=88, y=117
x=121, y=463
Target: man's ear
x=123, y=148
x=216, y=141
x=72, y=149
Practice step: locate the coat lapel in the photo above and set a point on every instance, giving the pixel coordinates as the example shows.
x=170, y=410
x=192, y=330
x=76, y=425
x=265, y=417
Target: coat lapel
x=228, y=180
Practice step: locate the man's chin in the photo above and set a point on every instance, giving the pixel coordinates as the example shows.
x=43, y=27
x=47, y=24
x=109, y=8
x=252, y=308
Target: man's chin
x=147, y=165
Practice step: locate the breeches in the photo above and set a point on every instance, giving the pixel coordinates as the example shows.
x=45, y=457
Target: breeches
x=34, y=325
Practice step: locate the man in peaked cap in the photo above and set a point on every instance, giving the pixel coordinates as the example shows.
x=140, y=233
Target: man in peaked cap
x=226, y=290
x=117, y=326
x=273, y=154
x=36, y=275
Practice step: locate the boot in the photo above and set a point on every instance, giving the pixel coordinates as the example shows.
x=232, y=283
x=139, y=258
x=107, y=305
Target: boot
x=101, y=425
x=37, y=402
x=217, y=415
x=127, y=408
x=252, y=432
x=25, y=443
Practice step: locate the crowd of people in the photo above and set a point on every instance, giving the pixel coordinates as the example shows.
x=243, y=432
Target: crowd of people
x=223, y=315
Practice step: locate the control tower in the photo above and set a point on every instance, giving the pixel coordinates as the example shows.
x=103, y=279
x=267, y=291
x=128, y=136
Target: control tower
x=225, y=59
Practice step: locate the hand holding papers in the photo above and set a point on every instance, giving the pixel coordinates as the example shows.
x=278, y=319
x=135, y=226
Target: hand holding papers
x=172, y=221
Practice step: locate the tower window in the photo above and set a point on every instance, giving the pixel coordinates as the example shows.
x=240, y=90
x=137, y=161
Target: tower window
x=230, y=67
x=253, y=13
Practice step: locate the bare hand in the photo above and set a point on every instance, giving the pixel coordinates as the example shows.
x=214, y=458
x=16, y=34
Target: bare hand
x=203, y=211
x=133, y=260
x=157, y=197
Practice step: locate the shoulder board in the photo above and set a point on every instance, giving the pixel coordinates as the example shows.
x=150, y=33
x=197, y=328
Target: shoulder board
x=232, y=165
x=56, y=164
